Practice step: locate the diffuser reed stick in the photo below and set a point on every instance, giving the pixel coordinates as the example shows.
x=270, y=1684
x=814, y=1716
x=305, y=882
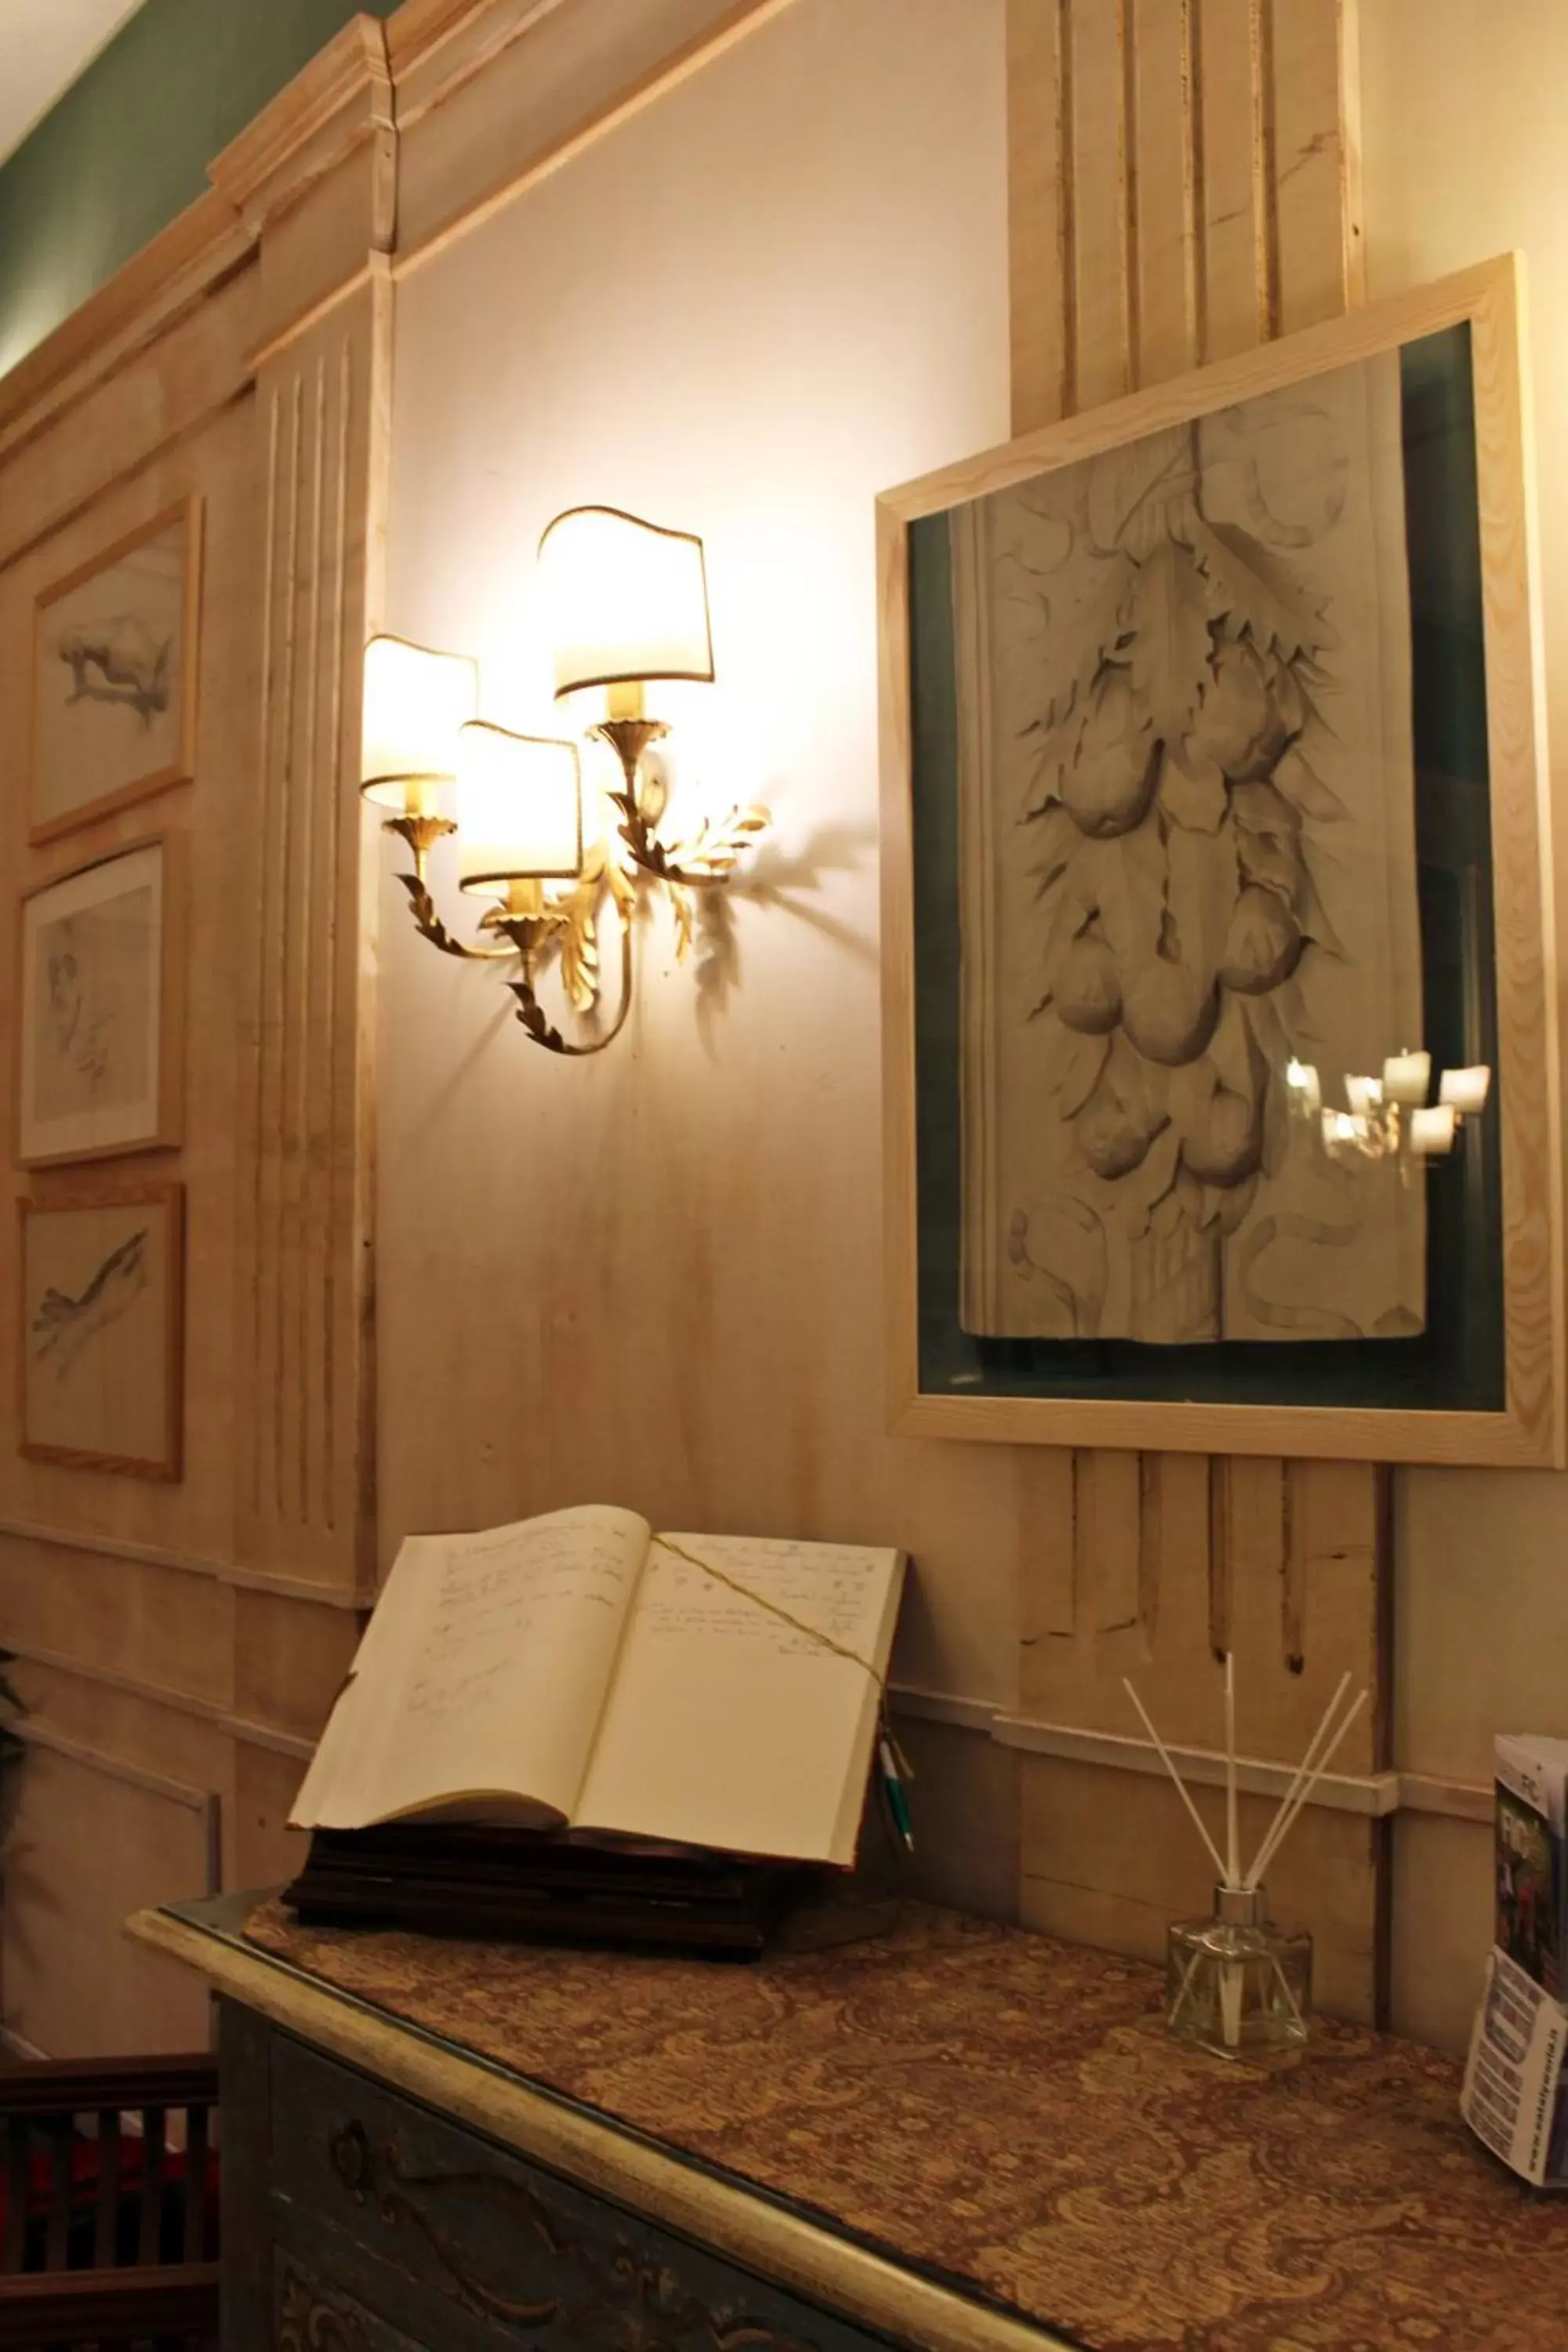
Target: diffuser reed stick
x=1234, y=1983
x=1181, y=1784
x=1289, y=1809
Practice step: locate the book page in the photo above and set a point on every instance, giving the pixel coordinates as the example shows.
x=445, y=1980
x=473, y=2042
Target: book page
x=727, y=1726
x=483, y=1674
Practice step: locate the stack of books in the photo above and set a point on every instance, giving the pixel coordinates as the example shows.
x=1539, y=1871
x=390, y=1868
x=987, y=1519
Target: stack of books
x=1515, y=2097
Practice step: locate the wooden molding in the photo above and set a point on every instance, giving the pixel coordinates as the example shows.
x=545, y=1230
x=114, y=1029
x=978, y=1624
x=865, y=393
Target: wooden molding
x=342, y=98
x=241, y=1728
x=159, y=286
x=1374, y=1795
x=435, y=46
x=537, y=83
x=37, y=1732
x=229, y=1573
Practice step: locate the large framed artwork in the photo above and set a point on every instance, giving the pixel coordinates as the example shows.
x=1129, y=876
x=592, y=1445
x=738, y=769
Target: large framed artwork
x=1221, y=1074
x=101, y=998
x=102, y=1338
x=114, y=675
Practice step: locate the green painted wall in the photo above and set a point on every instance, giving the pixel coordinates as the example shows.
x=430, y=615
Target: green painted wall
x=128, y=146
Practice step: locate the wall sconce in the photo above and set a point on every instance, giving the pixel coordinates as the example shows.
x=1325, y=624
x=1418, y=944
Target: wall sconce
x=628, y=605
x=1389, y=1116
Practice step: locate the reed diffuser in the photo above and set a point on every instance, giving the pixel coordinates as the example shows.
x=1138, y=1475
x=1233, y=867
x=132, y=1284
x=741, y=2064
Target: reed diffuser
x=1234, y=1983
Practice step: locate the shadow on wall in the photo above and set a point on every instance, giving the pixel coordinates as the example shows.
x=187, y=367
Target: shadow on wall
x=785, y=881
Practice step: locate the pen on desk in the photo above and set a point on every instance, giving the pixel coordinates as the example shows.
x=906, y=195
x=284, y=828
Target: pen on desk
x=897, y=1803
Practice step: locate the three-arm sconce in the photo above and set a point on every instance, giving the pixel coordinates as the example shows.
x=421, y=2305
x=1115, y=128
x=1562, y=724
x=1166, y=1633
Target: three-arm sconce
x=1389, y=1116
x=627, y=605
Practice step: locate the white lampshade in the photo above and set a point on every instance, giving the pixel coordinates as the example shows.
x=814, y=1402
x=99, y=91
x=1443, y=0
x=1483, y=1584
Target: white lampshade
x=1432, y=1132
x=520, y=810
x=623, y=599
x=1465, y=1090
x=415, y=702
x=1406, y=1079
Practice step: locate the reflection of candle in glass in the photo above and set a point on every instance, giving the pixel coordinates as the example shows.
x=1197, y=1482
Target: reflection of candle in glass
x=1465, y=1090
x=1302, y=1080
x=1407, y=1077
x=1432, y=1132
x=1363, y=1095
x=1340, y=1130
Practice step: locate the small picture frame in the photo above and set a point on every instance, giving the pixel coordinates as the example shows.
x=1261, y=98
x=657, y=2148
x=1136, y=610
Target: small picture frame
x=101, y=997
x=115, y=647
x=100, y=1345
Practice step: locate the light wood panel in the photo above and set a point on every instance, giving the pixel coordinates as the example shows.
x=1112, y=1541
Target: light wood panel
x=1197, y=157
x=494, y=96
x=304, y=1470
x=191, y=1638
x=91, y=1840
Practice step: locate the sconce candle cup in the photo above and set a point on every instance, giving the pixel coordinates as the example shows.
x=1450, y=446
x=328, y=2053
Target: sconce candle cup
x=1389, y=1116
x=628, y=607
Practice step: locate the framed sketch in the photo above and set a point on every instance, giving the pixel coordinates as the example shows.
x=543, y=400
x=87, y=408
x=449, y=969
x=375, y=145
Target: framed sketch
x=114, y=675
x=1216, y=890
x=102, y=1329
x=102, y=1000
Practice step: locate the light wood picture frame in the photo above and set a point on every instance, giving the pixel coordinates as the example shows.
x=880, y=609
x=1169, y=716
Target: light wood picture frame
x=115, y=675
x=956, y=1369
x=101, y=1007
x=100, y=1343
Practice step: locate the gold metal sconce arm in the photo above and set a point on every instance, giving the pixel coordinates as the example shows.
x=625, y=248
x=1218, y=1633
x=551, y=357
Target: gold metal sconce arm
x=529, y=927
x=540, y=1027
x=522, y=938
x=710, y=856
x=421, y=834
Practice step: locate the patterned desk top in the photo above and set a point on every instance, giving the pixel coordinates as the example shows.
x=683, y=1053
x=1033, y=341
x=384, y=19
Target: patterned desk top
x=1009, y=2113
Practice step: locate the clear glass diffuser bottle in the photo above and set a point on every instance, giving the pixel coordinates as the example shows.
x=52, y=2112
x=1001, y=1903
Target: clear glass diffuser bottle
x=1234, y=1983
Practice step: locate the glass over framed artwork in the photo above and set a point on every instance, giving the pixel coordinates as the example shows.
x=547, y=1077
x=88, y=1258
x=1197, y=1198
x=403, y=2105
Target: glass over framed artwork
x=115, y=670
x=102, y=1330
x=101, y=999
x=1221, y=1078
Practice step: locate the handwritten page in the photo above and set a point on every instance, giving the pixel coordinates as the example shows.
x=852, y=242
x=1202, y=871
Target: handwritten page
x=728, y=1724
x=491, y=1656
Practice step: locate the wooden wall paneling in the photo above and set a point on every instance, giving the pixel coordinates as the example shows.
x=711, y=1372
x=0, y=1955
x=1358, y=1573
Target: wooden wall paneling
x=263, y=1851
x=1039, y=216
x=1443, y=1901
x=304, y=1466
x=518, y=89
x=138, y=1730
x=67, y=456
x=1238, y=270
x=1182, y=186
x=92, y=1840
x=1100, y=248
x=290, y=1660
x=165, y=1628
x=183, y=1645
x=1317, y=160
x=1110, y=1858
x=1162, y=193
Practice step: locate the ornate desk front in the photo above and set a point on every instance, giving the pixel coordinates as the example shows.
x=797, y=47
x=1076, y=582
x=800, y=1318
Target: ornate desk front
x=948, y=2134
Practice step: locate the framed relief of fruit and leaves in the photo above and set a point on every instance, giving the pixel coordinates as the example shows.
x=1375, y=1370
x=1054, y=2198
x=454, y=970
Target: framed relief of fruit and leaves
x=1221, y=1078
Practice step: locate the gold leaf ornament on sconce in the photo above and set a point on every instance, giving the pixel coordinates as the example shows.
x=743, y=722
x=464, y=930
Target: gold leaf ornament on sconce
x=627, y=606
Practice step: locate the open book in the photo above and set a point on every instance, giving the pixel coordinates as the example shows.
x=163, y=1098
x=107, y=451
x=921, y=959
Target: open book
x=579, y=1670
